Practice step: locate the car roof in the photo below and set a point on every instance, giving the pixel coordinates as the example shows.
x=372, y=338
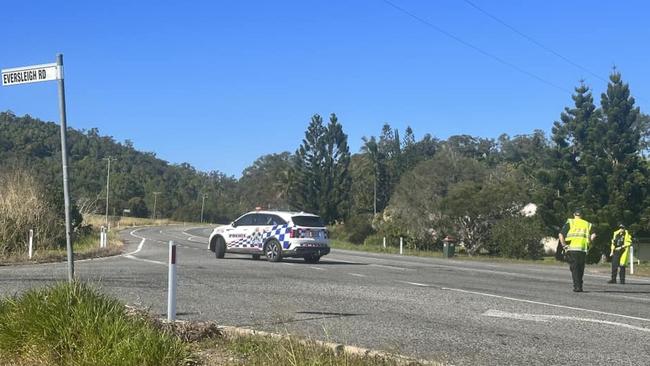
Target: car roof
x=287, y=215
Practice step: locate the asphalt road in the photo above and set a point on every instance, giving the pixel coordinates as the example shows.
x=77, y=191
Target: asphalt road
x=457, y=312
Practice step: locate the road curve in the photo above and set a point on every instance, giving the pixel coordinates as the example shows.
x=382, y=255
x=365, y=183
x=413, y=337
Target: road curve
x=457, y=312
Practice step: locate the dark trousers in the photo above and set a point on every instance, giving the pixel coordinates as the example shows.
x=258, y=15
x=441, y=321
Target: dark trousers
x=577, y=261
x=616, y=260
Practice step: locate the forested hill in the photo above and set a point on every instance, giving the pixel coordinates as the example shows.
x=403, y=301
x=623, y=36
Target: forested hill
x=30, y=144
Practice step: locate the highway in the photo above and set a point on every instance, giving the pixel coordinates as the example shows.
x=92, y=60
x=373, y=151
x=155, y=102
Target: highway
x=452, y=311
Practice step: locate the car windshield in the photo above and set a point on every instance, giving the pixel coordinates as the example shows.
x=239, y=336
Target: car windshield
x=308, y=221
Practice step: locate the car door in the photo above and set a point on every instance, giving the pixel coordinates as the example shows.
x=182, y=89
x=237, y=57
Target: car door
x=264, y=224
x=239, y=236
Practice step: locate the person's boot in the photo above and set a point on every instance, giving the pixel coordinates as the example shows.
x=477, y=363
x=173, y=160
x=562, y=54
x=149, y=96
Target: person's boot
x=613, y=280
x=622, y=276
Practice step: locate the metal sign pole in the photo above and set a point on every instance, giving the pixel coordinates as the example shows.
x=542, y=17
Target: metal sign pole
x=64, y=162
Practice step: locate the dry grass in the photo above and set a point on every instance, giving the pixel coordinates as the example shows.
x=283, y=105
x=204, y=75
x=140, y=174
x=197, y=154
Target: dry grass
x=84, y=247
x=24, y=205
x=125, y=221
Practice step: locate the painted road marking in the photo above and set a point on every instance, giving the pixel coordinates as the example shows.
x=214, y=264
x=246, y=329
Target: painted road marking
x=416, y=284
x=143, y=260
x=546, y=304
x=547, y=318
x=318, y=268
x=391, y=267
x=357, y=275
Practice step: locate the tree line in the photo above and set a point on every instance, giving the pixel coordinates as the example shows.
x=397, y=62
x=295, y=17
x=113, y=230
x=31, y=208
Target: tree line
x=468, y=187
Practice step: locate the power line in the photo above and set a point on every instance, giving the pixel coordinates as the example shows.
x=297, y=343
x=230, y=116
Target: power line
x=535, y=42
x=475, y=48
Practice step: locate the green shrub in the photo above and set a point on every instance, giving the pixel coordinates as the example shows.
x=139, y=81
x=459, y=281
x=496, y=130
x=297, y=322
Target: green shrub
x=355, y=229
x=517, y=237
x=71, y=324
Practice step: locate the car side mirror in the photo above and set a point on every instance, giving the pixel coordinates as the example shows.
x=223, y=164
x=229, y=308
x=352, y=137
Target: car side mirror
x=233, y=224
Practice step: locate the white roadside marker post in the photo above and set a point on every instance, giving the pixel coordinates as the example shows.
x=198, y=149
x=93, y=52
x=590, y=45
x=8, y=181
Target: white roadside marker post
x=31, y=243
x=401, y=246
x=171, y=283
x=384, y=242
x=101, y=237
x=631, y=259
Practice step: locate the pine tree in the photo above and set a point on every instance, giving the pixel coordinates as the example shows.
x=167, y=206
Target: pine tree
x=627, y=173
x=573, y=181
x=321, y=181
x=336, y=183
x=306, y=182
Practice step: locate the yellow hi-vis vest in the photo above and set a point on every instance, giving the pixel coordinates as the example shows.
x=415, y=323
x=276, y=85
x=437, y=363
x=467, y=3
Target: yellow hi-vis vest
x=627, y=242
x=578, y=235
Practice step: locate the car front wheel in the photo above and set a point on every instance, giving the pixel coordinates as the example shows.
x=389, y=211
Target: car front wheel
x=220, y=247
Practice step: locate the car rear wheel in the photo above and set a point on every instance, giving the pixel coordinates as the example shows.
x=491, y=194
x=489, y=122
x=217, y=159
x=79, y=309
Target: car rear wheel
x=312, y=259
x=220, y=247
x=273, y=251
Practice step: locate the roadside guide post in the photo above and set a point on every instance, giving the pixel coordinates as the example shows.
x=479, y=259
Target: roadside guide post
x=171, y=283
x=631, y=259
x=401, y=246
x=31, y=243
x=48, y=72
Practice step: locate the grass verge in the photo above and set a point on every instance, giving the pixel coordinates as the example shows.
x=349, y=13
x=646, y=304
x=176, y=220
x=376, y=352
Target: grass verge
x=126, y=221
x=260, y=350
x=642, y=269
x=72, y=324
x=86, y=246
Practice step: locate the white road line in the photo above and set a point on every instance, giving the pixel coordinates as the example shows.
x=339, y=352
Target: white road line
x=357, y=275
x=545, y=304
x=289, y=264
x=391, y=267
x=416, y=284
x=631, y=297
x=143, y=260
x=547, y=318
x=318, y=268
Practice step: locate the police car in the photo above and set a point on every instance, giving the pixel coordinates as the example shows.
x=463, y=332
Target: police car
x=274, y=234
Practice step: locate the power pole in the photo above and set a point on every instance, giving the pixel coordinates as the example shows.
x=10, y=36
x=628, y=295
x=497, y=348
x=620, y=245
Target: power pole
x=108, y=180
x=202, y=205
x=155, y=197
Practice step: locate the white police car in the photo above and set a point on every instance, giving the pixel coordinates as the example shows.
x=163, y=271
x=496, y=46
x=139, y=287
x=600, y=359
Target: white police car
x=275, y=234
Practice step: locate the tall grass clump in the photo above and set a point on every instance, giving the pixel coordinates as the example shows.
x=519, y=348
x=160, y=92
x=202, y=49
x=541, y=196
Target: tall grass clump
x=24, y=205
x=72, y=324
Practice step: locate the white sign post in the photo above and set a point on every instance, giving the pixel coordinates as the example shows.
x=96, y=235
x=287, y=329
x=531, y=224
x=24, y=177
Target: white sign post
x=35, y=74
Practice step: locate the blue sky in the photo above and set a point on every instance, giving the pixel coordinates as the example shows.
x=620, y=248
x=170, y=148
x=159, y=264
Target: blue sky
x=220, y=83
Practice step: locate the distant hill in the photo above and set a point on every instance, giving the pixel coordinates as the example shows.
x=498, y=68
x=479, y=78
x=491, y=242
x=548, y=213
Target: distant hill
x=34, y=145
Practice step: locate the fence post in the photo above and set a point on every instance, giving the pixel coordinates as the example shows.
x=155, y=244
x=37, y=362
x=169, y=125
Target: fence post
x=631, y=259
x=171, y=283
x=384, y=242
x=401, y=246
x=31, y=243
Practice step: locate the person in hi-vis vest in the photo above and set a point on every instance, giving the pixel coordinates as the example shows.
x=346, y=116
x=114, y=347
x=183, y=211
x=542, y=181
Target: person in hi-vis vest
x=577, y=232
x=620, y=248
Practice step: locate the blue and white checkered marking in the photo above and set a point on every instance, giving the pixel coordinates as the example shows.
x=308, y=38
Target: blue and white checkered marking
x=280, y=232
x=257, y=239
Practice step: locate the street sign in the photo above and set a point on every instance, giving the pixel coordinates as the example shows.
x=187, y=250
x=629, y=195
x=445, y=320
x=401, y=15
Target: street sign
x=47, y=72
x=31, y=74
